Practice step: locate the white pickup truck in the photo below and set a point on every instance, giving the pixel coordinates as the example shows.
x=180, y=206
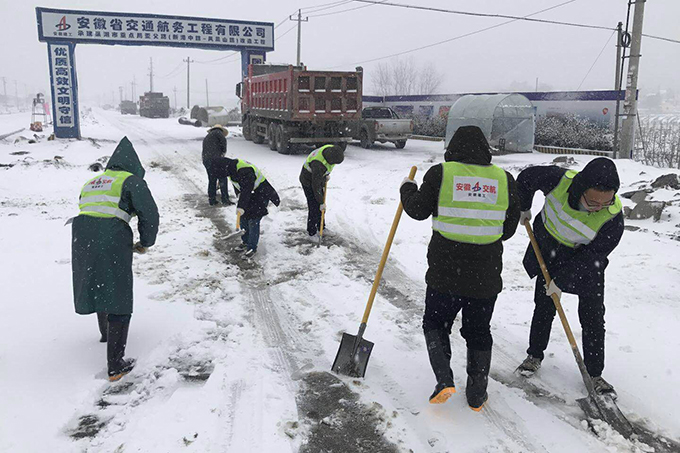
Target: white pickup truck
x=381, y=124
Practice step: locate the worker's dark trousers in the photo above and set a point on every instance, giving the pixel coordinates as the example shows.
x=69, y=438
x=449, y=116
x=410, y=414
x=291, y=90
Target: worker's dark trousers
x=442, y=308
x=213, y=180
x=590, y=314
x=314, y=212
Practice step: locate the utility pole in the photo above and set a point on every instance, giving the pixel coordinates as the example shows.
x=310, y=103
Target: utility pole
x=16, y=93
x=188, y=61
x=299, y=30
x=134, y=88
x=630, y=103
x=120, y=92
x=175, y=91
x=150, y=74
x=207, y=99
x=536, y=84
x=4, y=87
x=617, y=76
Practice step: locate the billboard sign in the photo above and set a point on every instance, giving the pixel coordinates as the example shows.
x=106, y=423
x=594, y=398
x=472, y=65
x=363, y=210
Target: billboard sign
x=132, y=29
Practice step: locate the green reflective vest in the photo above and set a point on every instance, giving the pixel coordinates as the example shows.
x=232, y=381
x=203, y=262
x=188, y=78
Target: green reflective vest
x=569, y=226
x=472, y=203
x=100, y=196
x=259, y=177
x=317, y=154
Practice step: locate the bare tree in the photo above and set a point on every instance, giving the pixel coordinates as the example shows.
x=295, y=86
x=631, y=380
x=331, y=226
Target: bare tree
x=402, y=77
x=430, y=79
x=382, y=80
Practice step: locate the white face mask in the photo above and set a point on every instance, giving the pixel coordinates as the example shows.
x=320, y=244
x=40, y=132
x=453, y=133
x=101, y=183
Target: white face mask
x=582, y=207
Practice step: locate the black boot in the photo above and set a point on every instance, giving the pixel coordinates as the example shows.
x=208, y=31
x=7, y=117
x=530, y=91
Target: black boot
x=103, y=326
x=115, y=348
x=478, y=364
x=439, y=350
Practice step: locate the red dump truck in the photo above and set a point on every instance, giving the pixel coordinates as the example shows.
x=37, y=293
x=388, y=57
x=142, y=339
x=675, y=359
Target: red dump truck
x=289, y=105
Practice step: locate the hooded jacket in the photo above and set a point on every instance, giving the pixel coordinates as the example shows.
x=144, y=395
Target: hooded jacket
x=214, y=146
x=458, y=268
x=253, y=202
x=575, y=270
x=101, y=251
x=316, y=178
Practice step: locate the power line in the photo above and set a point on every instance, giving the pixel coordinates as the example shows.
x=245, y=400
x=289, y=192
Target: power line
x=350, y=9
x=457, y=37
x=594, y=62
x=468, y=13
x=661, y=38
x=316, y=9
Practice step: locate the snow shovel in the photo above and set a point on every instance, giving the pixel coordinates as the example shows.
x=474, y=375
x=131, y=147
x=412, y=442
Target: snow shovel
x=323, y=214
x=354, y=352
x=239, y=231
x=597, y=406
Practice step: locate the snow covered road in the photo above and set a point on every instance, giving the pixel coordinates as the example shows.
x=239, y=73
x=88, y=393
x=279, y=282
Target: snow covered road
x=235, y=356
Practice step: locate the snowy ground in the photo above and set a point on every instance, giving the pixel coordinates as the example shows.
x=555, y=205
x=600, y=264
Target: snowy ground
x=234, y=356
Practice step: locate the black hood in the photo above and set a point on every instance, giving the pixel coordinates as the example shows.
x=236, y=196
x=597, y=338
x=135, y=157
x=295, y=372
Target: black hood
x=468, y=146
x=600, y=173
x=125, y=158
x=334, y=155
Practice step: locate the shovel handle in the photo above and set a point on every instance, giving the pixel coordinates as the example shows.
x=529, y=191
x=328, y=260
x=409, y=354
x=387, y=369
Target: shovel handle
x=558, y=305
x=238, y=220
x=323, y=213
x=386, y=252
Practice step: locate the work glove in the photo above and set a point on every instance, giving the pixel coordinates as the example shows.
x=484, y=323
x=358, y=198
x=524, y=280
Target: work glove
x=407, y=181
x=322, y=207
x=524, y=216
x=139, y=248
x=240, y=211
x=552, y=288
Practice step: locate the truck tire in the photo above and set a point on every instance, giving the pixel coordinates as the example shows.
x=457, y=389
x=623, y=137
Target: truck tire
x=271, y=136
x=282, y=140
x=257, y=138
x=400, y=144
x=245, y=130
x=366, y=142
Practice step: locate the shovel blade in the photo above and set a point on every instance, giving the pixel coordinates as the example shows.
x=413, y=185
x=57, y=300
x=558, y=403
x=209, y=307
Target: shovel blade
x=603, y=407
x=348, y=362
x=234, y=234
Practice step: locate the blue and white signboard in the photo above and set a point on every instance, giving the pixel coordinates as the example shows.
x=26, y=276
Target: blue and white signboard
x=62, y=29
x=64, y=89
x=131, y=29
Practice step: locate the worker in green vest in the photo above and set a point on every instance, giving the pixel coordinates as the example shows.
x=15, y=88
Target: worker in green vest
x=313, y=176
x=102, y=247
x=580, y=224
x=254, y=194
x=474, y=207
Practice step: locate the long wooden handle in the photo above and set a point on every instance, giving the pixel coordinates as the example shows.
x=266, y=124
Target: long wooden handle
x=558, y=305
x=238, y=220
x=323, y=213
x=386, y=252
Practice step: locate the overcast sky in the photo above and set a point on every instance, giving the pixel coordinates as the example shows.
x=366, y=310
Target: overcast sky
x=508, y=57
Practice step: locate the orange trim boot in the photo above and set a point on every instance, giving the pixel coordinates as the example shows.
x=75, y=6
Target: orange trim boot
x=442, y=393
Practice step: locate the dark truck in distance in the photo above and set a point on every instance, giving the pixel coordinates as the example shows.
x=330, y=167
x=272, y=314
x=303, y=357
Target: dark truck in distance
x=290, y=105
x=154, y=105
x=128, y=108
x=381, y=124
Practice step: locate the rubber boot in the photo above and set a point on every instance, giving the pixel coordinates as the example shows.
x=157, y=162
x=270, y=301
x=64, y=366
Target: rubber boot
x=103, y=326
x=115, y=348
x=439, y=351
x=478, y=364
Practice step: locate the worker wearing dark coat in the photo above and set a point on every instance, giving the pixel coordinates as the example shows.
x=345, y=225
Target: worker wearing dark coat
x=576, y=268
x=254, y=194
x=475, y=208
x=214, y=147
x=313, y=176
x=102, y=247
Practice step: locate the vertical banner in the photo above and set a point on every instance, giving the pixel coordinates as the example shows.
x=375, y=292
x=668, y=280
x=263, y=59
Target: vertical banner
x=64, y=89
x=249, y=56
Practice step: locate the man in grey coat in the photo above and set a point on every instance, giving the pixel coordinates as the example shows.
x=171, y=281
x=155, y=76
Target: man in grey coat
x=102, y=247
